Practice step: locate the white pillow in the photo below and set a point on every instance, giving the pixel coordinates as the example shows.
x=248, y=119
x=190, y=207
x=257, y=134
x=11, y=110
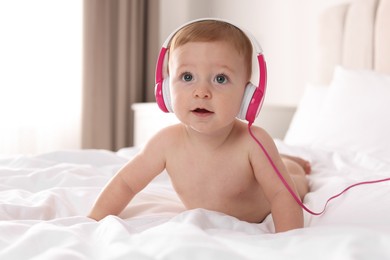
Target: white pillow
x=303, y=124
x=355, y=115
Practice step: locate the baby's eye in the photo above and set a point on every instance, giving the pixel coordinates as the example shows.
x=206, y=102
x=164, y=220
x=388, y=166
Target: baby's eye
x=187, y=76
x=221, y=79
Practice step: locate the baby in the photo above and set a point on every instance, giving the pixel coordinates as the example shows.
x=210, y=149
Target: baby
x=211, y=159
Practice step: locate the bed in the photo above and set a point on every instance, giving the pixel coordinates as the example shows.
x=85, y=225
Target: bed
x=341, y=126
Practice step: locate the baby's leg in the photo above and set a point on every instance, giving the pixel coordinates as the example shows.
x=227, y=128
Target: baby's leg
x=298, y=168
x=302, y=162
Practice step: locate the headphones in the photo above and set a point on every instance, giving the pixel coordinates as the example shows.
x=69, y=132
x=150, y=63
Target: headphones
x=253, y=96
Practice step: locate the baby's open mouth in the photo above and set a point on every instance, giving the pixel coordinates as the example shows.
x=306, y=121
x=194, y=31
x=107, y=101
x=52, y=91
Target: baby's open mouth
x=201, y=111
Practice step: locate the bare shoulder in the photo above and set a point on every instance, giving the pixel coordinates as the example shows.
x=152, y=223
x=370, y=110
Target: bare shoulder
x=163, y=140
x=254, y=131
x=259, y=139
x=152, y=158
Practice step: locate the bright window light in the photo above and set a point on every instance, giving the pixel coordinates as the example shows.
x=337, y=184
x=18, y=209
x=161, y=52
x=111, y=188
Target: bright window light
x=40, y=75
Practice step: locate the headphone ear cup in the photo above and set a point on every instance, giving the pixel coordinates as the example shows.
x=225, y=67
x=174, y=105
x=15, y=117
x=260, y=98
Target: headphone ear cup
x=163, y=95
x=251, y=103
x=246, y=99
x=167, y=95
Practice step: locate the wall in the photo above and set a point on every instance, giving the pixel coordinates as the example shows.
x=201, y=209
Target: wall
x=285, y=29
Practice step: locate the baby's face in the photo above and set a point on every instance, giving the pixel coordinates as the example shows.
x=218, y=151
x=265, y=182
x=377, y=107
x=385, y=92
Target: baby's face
x=207, y=82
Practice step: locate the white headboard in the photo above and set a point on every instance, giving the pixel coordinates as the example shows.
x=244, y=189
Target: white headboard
x=354, y=35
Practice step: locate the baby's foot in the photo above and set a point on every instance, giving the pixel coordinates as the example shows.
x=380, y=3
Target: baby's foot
x=302, y=162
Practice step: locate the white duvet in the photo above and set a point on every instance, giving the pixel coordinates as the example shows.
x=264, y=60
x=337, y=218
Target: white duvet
x=44, y=200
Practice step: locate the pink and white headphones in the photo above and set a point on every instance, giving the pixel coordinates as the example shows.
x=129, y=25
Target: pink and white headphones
x=253, y=96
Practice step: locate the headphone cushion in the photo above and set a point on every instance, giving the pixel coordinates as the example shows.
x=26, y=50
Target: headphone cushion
x=246, y=101
x=163, y=95
x=167, y=94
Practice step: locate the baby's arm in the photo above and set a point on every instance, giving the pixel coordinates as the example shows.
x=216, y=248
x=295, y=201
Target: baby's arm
x=128, y=181
x=286, y=212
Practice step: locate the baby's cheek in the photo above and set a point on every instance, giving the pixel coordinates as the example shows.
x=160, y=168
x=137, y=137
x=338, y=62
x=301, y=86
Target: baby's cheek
x=178, y=106
x=236, y=105
x=175, y=101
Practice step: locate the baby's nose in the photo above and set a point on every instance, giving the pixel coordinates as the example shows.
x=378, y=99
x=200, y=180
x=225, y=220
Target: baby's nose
x=202, y=91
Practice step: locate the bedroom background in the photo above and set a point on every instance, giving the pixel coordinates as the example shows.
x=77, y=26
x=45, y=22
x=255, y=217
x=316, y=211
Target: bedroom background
x=70, y=70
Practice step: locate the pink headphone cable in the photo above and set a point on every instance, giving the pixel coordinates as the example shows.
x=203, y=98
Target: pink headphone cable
x=297, y=199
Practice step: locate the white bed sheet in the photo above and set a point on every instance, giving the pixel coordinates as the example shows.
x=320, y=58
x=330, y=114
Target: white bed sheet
x=44, y=200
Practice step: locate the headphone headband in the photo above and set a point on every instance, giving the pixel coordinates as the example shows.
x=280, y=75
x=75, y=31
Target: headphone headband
x=252, y=39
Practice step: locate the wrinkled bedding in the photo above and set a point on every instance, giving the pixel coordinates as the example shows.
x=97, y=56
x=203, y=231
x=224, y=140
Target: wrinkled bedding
x=44, y=200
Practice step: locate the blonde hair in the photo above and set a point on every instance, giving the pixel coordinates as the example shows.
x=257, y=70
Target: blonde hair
x=212, y=31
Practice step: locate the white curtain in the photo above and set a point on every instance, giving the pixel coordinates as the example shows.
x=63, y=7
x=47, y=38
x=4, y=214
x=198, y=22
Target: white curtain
x=40, y=75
